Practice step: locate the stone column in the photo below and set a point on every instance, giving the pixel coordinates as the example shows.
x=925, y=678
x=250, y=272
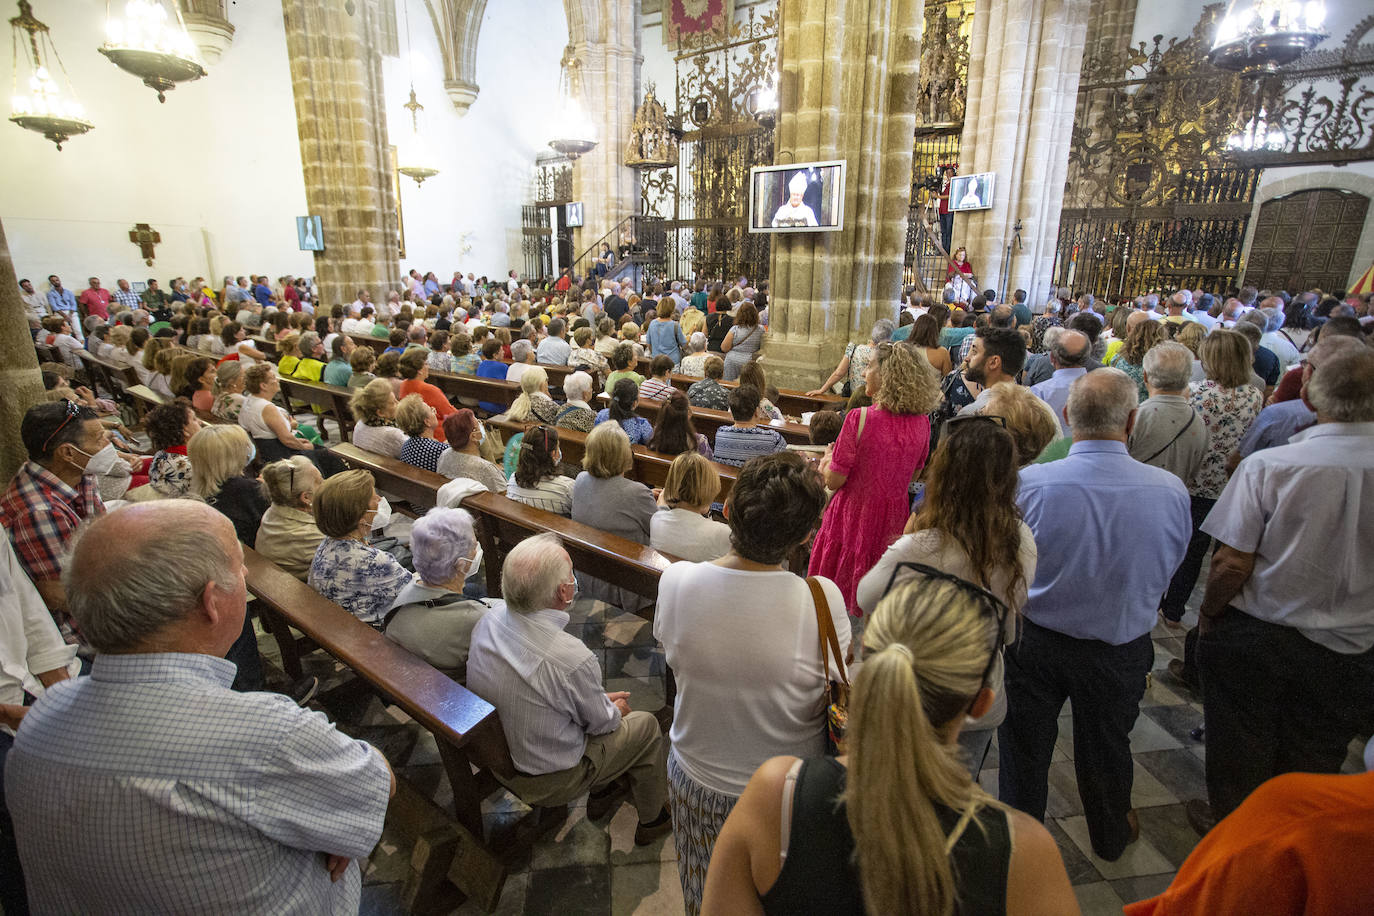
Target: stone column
x=336, y=76
x=208, y=23
x=1024, y=62
x=19, y=378
x=847, y=91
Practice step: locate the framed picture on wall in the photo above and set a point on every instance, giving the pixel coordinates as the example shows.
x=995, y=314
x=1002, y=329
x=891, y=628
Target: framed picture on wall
x=310, y=233
x=396, y=190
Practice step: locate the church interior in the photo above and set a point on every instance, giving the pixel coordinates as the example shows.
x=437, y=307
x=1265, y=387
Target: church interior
x=394, y=175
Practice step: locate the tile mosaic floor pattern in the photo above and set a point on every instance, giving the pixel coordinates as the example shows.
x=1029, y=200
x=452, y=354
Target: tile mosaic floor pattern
x=595, y=868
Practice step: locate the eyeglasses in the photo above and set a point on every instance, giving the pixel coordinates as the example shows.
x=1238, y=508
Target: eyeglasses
x=988, y=603
x=963, y=418
x=73, y=409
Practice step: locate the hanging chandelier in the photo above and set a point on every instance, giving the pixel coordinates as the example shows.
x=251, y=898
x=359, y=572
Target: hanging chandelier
x=762, y=103
x=415, y=152
x=572, y=135
x=149, y=44
x=44, y=108
x=1258, y=135
x=1263, y=35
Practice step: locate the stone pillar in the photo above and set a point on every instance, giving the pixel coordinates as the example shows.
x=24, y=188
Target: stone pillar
x=1024, y=61
x=336, y=76
x=207, y=22
x=847, y=91
x=19, y=378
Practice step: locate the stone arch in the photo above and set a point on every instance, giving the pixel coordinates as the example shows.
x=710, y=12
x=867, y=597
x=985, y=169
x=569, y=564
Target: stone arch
x=1342, y=179
x=457, y=24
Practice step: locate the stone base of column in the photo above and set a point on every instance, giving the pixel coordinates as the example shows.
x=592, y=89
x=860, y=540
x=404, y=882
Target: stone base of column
x=796, y=364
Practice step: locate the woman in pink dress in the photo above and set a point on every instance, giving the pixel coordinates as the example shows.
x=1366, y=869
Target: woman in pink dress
x=880, y=449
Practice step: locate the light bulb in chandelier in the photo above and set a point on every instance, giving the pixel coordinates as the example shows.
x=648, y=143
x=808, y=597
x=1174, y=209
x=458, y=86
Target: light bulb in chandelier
x=47, y=107
x=153, y=45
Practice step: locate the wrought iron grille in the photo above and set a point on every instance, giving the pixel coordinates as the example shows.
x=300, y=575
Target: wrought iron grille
x=536, y=241
x=924, y=263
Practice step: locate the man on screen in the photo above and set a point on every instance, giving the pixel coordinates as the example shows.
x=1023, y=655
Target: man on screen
x=795, y=213
x=970, y=200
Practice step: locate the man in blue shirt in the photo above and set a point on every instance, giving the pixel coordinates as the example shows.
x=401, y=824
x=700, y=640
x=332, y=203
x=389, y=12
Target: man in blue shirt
x=1110, y=532
x=62, y=301
x=1069, y=354
x=262, y=292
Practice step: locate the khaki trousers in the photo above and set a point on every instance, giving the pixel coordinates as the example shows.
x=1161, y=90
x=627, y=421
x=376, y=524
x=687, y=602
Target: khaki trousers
x=635, y=748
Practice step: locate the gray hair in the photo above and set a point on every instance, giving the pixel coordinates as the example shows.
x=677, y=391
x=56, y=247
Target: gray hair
x=502, y=308
x=1168, y=366
x=309, y=340
x=1342, y=382
x=1151, y=302
x=1059, y=349
x=557, y=327
x=1052, y=306
x=1052, y=335
x=882, y=330
x=415, y=333
x=1100, y=404
x=697, y=342
x=578, y=386
x=119, y=604
x=533, y=570
x=285, y=481
x=439, y=539
x=520, y=350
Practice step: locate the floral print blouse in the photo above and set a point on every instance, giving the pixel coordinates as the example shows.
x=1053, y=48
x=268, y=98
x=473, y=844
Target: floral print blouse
x=227, y=406
x=357, y=576
x=1228, y=413
x=170, y=473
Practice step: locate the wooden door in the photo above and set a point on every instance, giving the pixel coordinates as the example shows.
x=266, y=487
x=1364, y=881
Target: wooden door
x=1306, y=240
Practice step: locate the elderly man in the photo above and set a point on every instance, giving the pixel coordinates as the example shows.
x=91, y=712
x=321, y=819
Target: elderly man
x=1110, y=533
x=1168, y=432
x=1049, y=319
x=554, y=350
x=566, y=735
x=95, y=300
x=1279, y=422
x=238, y=293
x=187, y=791
x=1069, y=356
x=124, y=296
x=1286, y=645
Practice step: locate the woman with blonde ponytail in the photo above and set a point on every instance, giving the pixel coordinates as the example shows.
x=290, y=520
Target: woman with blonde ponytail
x=896, y=826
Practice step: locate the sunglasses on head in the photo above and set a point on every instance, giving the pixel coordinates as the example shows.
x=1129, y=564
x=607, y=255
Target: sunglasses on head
x=988, y=603
x=73, y=409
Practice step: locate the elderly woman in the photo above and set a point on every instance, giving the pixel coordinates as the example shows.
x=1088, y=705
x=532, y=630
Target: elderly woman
x=624, y=398
x=741, y=634
x=536, y=481
x=228, y=391
x=584, y=357
x=606, y=341
x=346, y=569
x=414, y=371
x=374, y=408
x=220, y=456
x=849, y=374
x=288, y=353
x=577, y=414
x=311, y=366
x=1130, y=359
x=271, y=427
x=622, y=367
x=693, y=322
x=744, y=340
x=420, y=423
x=170, y=427
x=361, y=363
x=463, y=458
x=533, y=404
x=880, y=451
x=287, y=534
x=657, y=386
x=694, y=363
x=464, y=359
x=200, y=375
x=604, y=498
x=752, y=374
x=1031, y=422
x=682, y=526
x=431, y=616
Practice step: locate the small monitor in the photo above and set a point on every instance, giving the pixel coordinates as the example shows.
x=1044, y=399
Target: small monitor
x=310, y=233
x=971, y=192
x=804, y=197
x=572, y=215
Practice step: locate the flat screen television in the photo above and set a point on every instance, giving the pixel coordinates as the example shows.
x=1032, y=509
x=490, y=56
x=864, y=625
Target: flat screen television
x=572, y=215
x=802, y=197
x=310, y=233
x=971, y=192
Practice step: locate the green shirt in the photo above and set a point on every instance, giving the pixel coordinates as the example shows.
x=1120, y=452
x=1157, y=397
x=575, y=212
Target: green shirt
x=337, y=372
x=381, y=330
x=1056, y=450
x=624, y=373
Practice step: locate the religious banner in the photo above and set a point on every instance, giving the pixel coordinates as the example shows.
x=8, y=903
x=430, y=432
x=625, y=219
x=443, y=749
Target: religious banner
x=683, y=18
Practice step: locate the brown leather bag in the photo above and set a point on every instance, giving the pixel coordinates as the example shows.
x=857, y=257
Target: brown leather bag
x=834, y=694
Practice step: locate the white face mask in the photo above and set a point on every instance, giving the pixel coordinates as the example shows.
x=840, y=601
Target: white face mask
x=481, y=437
x=475, y=563
x=381, y=515
x=102, y=462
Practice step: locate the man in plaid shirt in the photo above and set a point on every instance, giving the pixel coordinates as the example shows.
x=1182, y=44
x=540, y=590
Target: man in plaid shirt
x=52, y=494
x=125, y=296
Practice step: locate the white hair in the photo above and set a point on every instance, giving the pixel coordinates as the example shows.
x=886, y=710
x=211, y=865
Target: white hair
x=439, y=539
x=1169, y=366
x=578, y=386
x=696, y=343
x=1342, y=383
x=533, y=570
x=520, y=350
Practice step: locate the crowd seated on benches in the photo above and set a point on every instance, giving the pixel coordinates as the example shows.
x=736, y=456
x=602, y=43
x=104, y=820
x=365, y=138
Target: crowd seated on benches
x=623, y=410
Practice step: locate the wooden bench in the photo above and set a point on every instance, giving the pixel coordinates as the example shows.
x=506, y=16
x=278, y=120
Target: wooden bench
x=465, y=727
x=144, y=399
x=378, y=344
x=457, y=386
x=333, y=398
x=708, y=421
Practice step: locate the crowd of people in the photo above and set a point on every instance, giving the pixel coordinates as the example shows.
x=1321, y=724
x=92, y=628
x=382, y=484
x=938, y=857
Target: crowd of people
x=998, y=508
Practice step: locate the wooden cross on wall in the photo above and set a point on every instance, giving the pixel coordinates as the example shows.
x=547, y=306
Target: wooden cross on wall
x=145, y=237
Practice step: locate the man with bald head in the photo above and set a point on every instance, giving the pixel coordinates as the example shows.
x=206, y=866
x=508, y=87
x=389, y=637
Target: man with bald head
x=1110, y=531
x=1069, y=355
x=150, y=786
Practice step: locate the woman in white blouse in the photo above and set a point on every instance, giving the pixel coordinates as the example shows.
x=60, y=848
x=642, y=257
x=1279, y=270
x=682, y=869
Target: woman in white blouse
x=271, y=427
x=374, y=408
x=681, y=527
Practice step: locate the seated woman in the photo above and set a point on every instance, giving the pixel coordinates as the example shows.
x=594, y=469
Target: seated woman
x=287, y=534
x=577, y=413
x=464, y=360
x=160, y=376
x=270, y=426
x=927, y=649
x=419, y=422
x=360, y=365
x=584, y=357
x=431, y=617
x=742, y=637
x=170, y=427
x=58, y=333
x=288, y=354
x=536, y=481
x=605, y=499
x=199, y=384
x=752, y=374
x=657, y=385
x=463, y=458
x=674, y=433
x=622, y=359
x=533, y=404
x=228, y=391
x=220, y=456
x=694, y=363
x=745, y=438
x=606, y=341
x=624, y=397
x=414, y=370
x=374, y=408
x=346, y=569
x=682, y=527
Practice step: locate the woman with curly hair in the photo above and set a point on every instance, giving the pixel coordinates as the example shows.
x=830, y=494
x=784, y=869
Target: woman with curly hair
x=880, y=450
x=170, y=427
x=1131, y=358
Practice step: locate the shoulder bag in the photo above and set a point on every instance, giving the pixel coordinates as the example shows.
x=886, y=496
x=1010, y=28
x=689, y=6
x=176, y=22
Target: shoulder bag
x=834, y=694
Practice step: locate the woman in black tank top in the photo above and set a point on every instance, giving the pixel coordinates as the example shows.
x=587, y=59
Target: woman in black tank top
x=897, y=826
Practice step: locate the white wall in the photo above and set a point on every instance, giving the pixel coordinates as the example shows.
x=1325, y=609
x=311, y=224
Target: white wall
x=216, y=169
x=485, y=157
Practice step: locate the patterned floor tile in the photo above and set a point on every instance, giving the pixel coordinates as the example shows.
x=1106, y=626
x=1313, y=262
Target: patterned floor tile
x=1167, y=829
x=637, y=661
x=1148, y=736
x=1098, y=899
x=1179, y=770
x=577, y=842
x=1178, y=721
x=621, y=828
x=1080, y=870
x=1148, y=792
x=1131, y=890
x=650, y=889
x=1140, y=858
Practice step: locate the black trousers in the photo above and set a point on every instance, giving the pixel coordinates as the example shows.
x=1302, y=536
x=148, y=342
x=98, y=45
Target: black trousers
x=1105, y=684
x=1276, y=702
x=1185, y=577
x=946, y=231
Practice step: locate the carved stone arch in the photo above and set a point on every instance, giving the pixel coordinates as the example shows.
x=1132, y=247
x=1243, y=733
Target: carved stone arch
x=456, y=25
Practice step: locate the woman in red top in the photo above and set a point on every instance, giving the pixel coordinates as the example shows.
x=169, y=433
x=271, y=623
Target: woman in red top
x=414, y=371
x=960, y=265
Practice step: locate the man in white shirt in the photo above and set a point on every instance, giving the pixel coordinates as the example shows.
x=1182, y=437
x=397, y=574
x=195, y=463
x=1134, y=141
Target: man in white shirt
x=35, y=304
x=555, y=349
x=512, y=282
x=566, y=735
x=1069, y=356
x=1286, y=635
x=364, y=299
x=793, y=212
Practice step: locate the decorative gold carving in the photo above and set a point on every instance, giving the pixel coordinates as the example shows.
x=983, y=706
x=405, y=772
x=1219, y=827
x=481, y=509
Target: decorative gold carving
x=653, y=137
x=145, y=237
x=943, y=82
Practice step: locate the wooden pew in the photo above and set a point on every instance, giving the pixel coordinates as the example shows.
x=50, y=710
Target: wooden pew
x=708, y=421
x=367, y=340
x=266, y=345
x=492, y=390
x=333, y=398
x=791, y=401
x=144, y=399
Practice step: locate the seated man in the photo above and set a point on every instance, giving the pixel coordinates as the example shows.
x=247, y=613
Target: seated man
x=566, y=735
x=187, y=791
x=746, y=438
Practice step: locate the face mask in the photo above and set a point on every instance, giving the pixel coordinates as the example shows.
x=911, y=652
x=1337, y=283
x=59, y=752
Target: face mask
x=475, y=563
x=252, y=452
x=573, y=583
x=102, y=462
x=382, y=515
x=481, y=437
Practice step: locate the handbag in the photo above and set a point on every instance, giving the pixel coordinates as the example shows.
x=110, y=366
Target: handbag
x=834, y=694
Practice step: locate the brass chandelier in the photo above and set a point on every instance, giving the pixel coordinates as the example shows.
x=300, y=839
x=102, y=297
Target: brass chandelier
x=45, y=108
